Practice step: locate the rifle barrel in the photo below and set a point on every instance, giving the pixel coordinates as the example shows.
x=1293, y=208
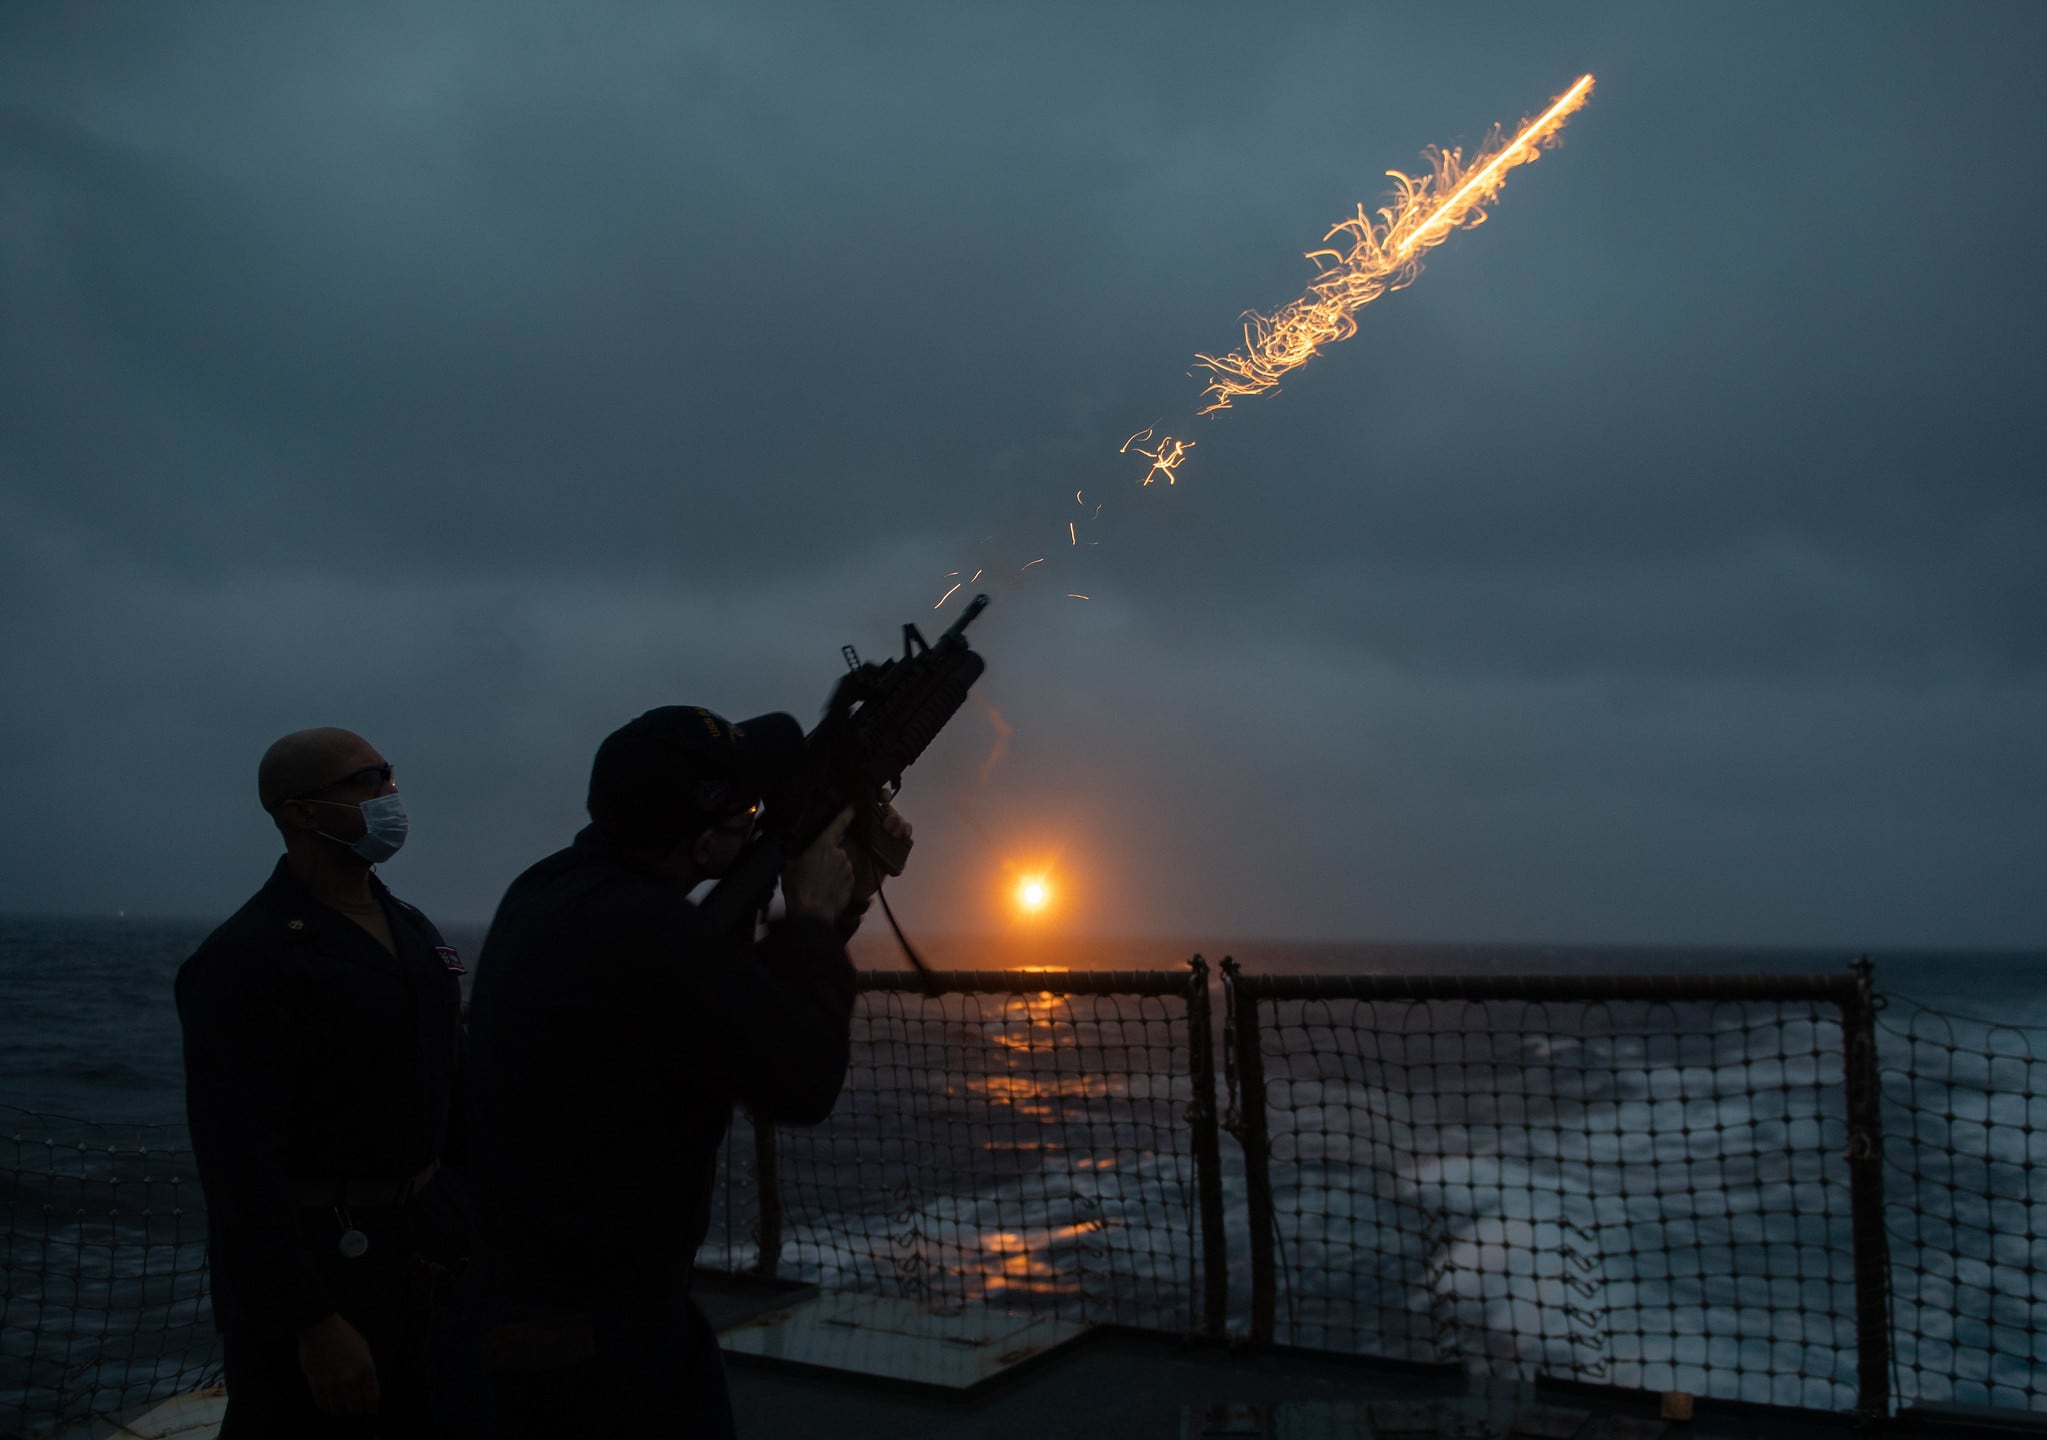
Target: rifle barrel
x=959, y=626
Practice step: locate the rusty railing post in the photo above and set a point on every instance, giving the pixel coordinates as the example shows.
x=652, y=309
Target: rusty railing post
x=1208, y=1180
x=1866, y=1199
x=1257, y=1154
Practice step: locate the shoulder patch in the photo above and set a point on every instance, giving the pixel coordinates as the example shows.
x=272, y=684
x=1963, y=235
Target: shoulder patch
x=450, y=960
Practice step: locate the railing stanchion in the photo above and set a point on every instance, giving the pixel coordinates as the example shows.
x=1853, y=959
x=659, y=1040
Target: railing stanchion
x=1257, y=1158
x=1866, y=1200
x=1208, y=1180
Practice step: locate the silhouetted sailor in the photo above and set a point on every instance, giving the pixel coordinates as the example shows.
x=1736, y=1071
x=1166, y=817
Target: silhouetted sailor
x=611, y=1031
x=321, y=1028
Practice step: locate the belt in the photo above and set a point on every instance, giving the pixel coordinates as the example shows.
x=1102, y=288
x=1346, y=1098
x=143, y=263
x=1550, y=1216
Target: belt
x=319, y=1194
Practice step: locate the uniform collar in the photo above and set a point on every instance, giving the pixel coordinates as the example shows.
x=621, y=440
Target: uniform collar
x=306, y=916
x=285, y=881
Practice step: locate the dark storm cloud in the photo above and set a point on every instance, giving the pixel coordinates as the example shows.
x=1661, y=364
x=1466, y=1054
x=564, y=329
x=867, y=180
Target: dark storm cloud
x=1665, y=564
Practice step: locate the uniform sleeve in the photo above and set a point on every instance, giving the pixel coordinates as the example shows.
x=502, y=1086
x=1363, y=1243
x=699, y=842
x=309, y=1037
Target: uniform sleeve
x=238, y=1099
x=776, y=1025
x=457, y=1148
x=454, y=1146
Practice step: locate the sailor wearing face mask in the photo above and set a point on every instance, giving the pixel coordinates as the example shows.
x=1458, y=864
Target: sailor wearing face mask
x=321, y=1025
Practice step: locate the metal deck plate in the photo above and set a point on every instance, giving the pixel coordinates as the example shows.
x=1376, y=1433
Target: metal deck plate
x=898, y=1340
x=1288, y=1420
x=194, y=1415
x=1549, y=1422
x=1320, y=1420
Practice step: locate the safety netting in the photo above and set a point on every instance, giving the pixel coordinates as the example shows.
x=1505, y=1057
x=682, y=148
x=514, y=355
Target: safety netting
x=1025, y=1143
x=1631, y=1192
x=102, y=1270
x=1558, y=1176
x=1965, y=1185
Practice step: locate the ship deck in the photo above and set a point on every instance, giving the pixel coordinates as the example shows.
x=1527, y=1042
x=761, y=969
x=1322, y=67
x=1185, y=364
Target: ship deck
x=802, y=1361
x=1127, y=1384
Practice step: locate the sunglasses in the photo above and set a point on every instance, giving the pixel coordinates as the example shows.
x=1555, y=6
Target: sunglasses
x=741, y=822
x=377, y=775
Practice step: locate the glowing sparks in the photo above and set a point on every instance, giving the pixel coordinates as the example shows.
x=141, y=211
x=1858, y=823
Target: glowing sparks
x=1484, y=183
x=1360, y=259
x=1384, y=254
x=1165, y=458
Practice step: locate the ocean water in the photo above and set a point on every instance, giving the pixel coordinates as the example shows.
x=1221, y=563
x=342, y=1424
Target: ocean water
x=1031, y=1150
x=88, y=1027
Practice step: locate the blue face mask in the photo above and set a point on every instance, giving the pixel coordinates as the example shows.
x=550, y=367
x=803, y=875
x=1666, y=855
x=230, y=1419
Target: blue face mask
x=385, y=826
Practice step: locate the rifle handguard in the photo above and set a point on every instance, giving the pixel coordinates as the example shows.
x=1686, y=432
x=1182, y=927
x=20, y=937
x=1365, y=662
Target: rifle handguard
x=889, y=852
x=880, y=719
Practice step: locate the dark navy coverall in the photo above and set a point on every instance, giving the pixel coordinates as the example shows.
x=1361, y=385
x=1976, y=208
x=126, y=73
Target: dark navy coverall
x=611, y=1031
x=313, y=1056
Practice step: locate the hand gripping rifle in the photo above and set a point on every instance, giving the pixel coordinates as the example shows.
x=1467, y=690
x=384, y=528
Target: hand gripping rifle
x=879, y=720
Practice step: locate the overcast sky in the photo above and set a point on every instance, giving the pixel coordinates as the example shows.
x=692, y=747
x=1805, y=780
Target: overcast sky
x=1665, y=565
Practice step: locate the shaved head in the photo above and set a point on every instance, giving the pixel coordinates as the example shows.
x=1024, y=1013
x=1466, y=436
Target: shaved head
x=308, y=760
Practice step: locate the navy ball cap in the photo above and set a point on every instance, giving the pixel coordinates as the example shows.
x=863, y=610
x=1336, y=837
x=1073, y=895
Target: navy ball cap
x=670, y=772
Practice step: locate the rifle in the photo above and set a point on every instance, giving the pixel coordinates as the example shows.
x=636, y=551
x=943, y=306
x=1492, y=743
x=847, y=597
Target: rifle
x=879, y=719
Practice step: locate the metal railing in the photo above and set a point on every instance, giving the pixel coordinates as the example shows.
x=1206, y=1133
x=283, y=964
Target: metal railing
x=1666, y=1183
x=1648, y=1181
x=1965, y=1166
x=1651, y=1181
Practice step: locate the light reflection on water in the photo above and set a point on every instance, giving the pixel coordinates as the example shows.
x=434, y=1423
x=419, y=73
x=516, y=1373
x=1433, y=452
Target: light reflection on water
x=1025, y=1150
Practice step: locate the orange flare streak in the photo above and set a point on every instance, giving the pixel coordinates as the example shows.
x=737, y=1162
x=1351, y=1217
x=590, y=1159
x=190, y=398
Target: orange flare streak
x=1483, y=182
x=1385, y=255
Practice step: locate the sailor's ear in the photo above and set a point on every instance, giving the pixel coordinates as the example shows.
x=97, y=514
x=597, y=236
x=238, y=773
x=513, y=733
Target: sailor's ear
x=295, y=815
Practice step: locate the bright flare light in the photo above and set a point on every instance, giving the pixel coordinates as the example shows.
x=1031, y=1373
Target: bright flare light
x=1033, y=893
x=1385, y=254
